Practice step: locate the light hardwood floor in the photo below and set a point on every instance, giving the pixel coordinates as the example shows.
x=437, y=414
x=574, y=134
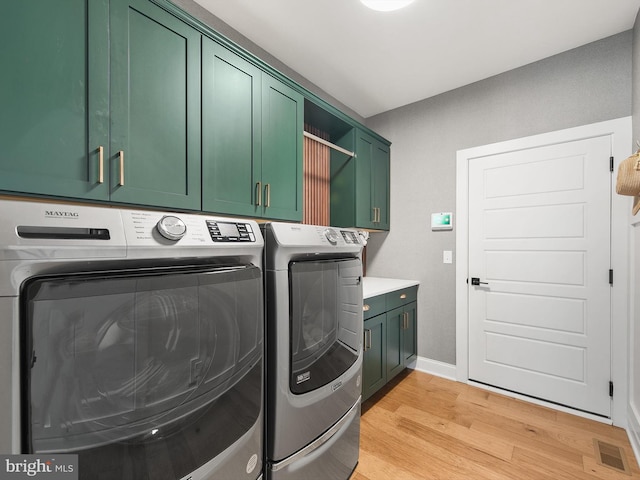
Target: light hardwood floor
x=424, y=427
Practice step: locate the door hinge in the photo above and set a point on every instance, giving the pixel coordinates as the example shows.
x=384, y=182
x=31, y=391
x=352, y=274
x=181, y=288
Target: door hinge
x=611, y=164
x=611, y=389
x=610, y=277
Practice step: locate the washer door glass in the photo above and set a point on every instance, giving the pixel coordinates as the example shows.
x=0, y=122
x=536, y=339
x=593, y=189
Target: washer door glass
x=325, y=321
x=142, y=370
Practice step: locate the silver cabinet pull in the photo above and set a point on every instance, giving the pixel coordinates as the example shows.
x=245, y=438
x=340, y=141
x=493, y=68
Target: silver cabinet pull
x=403, y=296
x=267, y=187
x=365, y=308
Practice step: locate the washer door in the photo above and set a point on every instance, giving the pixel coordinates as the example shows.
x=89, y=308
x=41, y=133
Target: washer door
x=326, y=311
x=157, y=369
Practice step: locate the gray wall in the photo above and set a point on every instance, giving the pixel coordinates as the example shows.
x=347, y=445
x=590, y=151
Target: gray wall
x=582, y=86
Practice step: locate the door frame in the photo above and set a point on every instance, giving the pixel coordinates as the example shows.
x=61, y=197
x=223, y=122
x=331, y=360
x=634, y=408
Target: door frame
x=621, y=141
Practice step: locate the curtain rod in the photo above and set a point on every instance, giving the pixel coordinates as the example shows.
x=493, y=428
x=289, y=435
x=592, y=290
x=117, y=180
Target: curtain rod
x=328, y=144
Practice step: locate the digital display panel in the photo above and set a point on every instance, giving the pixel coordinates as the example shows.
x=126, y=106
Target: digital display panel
x=228, y=229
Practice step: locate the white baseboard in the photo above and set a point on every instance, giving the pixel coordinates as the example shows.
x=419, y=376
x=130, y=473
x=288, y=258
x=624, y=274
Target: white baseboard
x=434, y=367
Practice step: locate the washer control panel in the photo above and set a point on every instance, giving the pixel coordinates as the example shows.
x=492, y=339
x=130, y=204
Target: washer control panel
x=181, y=230
x=230, y=231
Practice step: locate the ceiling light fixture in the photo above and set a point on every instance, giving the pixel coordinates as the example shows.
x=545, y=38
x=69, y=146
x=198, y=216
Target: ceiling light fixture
x=386, y=5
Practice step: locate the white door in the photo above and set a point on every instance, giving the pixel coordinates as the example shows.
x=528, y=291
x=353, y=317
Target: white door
x=539, y=236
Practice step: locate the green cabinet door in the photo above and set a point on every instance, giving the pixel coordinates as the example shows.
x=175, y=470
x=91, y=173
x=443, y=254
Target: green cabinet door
x=360, y=185
x=155, y=107
x=380, y=185
x=282, y=126
x=365, y=213
x=374, y=370
x=372, y=182
x=231, y=133
x=54, y=97
x=395, y=329
x=409, y=333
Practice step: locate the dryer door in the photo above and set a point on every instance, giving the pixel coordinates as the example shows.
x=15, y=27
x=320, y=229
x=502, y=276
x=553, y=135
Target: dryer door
x=325, y=321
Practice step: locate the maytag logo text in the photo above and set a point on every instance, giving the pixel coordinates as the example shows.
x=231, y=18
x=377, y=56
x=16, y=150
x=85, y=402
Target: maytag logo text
x=60, y=214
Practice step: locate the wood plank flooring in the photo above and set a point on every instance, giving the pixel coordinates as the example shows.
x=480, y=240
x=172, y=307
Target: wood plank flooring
x=424, y=427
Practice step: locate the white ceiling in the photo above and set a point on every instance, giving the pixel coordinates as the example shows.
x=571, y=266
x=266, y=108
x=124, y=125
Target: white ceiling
x=375, y=61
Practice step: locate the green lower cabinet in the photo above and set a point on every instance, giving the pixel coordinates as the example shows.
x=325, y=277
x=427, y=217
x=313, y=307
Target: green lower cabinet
x=409, y=334
x=401, y=338
x=54, y=97
x=154, y=157
x=395, y=328
x=374, y=370
x=390, y=337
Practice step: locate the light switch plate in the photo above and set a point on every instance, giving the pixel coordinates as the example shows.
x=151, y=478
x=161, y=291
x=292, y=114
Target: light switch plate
x=447, y=256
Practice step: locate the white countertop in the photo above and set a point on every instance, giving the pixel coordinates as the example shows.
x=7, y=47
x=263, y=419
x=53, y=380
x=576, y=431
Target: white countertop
x=372, y=286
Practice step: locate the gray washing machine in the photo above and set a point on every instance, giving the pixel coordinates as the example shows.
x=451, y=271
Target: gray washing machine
x=314, y=329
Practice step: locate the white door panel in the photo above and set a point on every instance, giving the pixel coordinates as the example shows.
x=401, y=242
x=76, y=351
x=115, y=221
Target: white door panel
x=539, y=234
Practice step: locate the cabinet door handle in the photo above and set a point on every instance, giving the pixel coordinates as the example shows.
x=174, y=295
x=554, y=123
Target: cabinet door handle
x=374, y=215
x=403, y=296
x=367, y=347
x=378, y=214
x=406, y=320
x=100, y=164
x=121, y=155
x=258, y=194
x=365, y=308
x=267, y=188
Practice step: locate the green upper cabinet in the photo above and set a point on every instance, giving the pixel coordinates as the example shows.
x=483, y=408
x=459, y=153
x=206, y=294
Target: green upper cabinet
x=231, y=132
x=380, y=165
x=372, y=182
x=136, y=102
x=360, y=185
x=282, y=130
x=54, y=97
x=155, y=107
x=251, y=139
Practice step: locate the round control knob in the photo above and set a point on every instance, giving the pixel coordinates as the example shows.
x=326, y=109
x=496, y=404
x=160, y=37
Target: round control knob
x=331, y=235
x=171, y=228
